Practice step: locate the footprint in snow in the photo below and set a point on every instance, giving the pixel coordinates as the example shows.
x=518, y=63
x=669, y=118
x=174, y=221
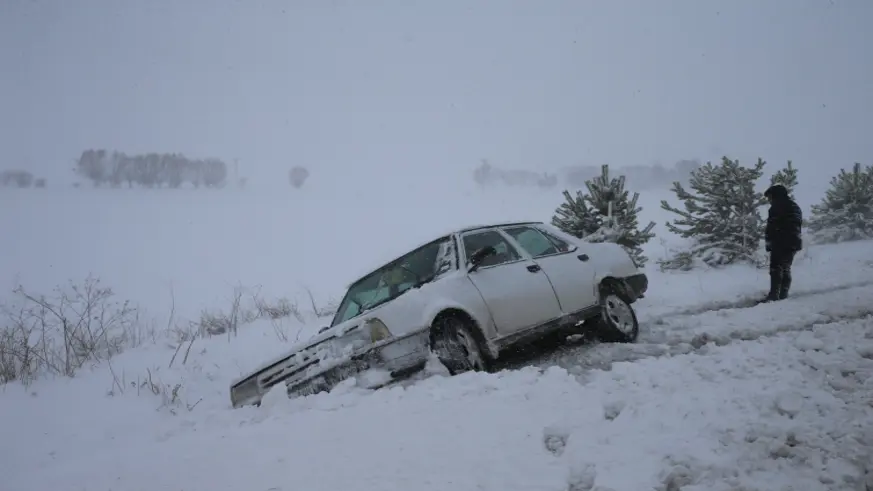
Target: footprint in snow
x=611, y=410
x=555, y=439
x=582, y=477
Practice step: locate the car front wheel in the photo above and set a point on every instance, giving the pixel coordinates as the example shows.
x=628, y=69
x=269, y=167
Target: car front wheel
x=453, y=343
x=618, y=321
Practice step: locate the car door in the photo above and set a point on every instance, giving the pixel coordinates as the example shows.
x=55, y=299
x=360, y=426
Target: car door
x=568, y=269
x=515, y=289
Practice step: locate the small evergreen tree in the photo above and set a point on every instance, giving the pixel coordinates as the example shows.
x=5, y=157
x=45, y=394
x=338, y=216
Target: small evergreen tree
x=605, y=214
x=576, y=217
x=721, y=216
x=846, y=211
x=786, y=177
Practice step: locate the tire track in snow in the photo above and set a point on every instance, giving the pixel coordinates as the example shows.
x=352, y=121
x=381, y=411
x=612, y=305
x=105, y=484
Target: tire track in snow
x=678, y=335
x=749, y=301
x=601, y=356
x=691, y=330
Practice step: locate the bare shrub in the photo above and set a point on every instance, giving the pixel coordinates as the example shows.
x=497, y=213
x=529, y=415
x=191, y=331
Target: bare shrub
x=19, y=359
x=216, y=322
x=182, y=336
x=170, y=395
x=59, y=334
x=277, y=309
x=247, y=305
x=328, y=310
x=83, y=324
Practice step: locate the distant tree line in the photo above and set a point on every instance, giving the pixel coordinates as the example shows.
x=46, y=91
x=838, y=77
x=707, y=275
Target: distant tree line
x=150, y=170
x=640, y=176
x=20, y=179
x=155, y=170
x=487, y=174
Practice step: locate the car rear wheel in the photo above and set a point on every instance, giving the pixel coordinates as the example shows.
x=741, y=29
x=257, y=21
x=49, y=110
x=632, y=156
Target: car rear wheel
x=618, y=321
x=452, y=341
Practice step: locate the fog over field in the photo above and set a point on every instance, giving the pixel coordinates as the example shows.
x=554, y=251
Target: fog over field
x=391, y=106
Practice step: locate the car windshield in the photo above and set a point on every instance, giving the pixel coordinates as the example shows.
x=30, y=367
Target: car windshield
x=397, y=277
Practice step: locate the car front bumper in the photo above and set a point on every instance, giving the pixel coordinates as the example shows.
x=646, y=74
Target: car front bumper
x=637, y=286
x=397, y=356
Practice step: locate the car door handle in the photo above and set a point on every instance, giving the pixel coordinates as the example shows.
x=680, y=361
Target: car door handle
x=533, y=268
x=583, y=257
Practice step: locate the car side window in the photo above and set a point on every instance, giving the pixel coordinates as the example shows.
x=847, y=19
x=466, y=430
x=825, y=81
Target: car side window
x=445, y=258
x=561, y=244
x=505, y=251
x=536, y=242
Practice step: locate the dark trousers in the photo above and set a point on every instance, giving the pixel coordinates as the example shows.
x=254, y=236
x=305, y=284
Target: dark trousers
x=780, y=273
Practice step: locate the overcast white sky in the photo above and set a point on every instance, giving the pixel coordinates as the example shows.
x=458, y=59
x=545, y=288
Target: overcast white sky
x=411, y=85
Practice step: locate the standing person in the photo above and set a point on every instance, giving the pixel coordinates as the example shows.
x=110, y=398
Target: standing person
x=783, y=239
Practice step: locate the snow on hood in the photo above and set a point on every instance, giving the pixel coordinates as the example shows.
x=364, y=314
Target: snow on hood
x=334, y=332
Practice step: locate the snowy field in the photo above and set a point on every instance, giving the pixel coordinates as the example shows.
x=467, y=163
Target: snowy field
x=716, y=395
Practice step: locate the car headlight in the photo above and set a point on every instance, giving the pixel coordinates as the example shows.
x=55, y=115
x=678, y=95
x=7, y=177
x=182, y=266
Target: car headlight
x=245, y=393
x=378, y=330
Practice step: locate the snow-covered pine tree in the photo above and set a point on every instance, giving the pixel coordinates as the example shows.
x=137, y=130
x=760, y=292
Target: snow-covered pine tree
x=605, y=215
x=787, y=177
x=620, y=225
x=846, y=211
x=575, y=216
x=720, y=216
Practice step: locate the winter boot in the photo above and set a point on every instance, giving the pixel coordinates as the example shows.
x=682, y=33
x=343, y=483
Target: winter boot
x=775, y=287
x=786, y=285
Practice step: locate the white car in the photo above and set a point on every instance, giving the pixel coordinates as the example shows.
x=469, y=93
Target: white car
x=465, y=297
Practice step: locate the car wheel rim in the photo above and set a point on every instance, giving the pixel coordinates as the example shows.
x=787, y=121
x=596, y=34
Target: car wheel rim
x=471, y=349
x=619, y=314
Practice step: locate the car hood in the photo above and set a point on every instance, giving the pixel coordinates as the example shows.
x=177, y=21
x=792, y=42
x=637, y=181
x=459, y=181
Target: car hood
x=334, y=333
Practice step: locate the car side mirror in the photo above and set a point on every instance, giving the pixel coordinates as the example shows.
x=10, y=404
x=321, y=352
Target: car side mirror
x=480, y=255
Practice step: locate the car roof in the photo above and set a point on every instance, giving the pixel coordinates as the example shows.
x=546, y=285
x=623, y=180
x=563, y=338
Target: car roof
x=449, y=233
x=494, y=225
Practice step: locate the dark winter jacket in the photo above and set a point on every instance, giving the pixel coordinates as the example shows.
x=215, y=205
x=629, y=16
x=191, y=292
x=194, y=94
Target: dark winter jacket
x=784, y=221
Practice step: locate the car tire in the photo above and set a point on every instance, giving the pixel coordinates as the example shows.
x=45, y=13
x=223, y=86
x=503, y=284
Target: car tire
x=453, y=342
x=618, y=321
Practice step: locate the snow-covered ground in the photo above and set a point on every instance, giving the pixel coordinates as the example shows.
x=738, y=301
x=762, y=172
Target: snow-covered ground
x=716, y=395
